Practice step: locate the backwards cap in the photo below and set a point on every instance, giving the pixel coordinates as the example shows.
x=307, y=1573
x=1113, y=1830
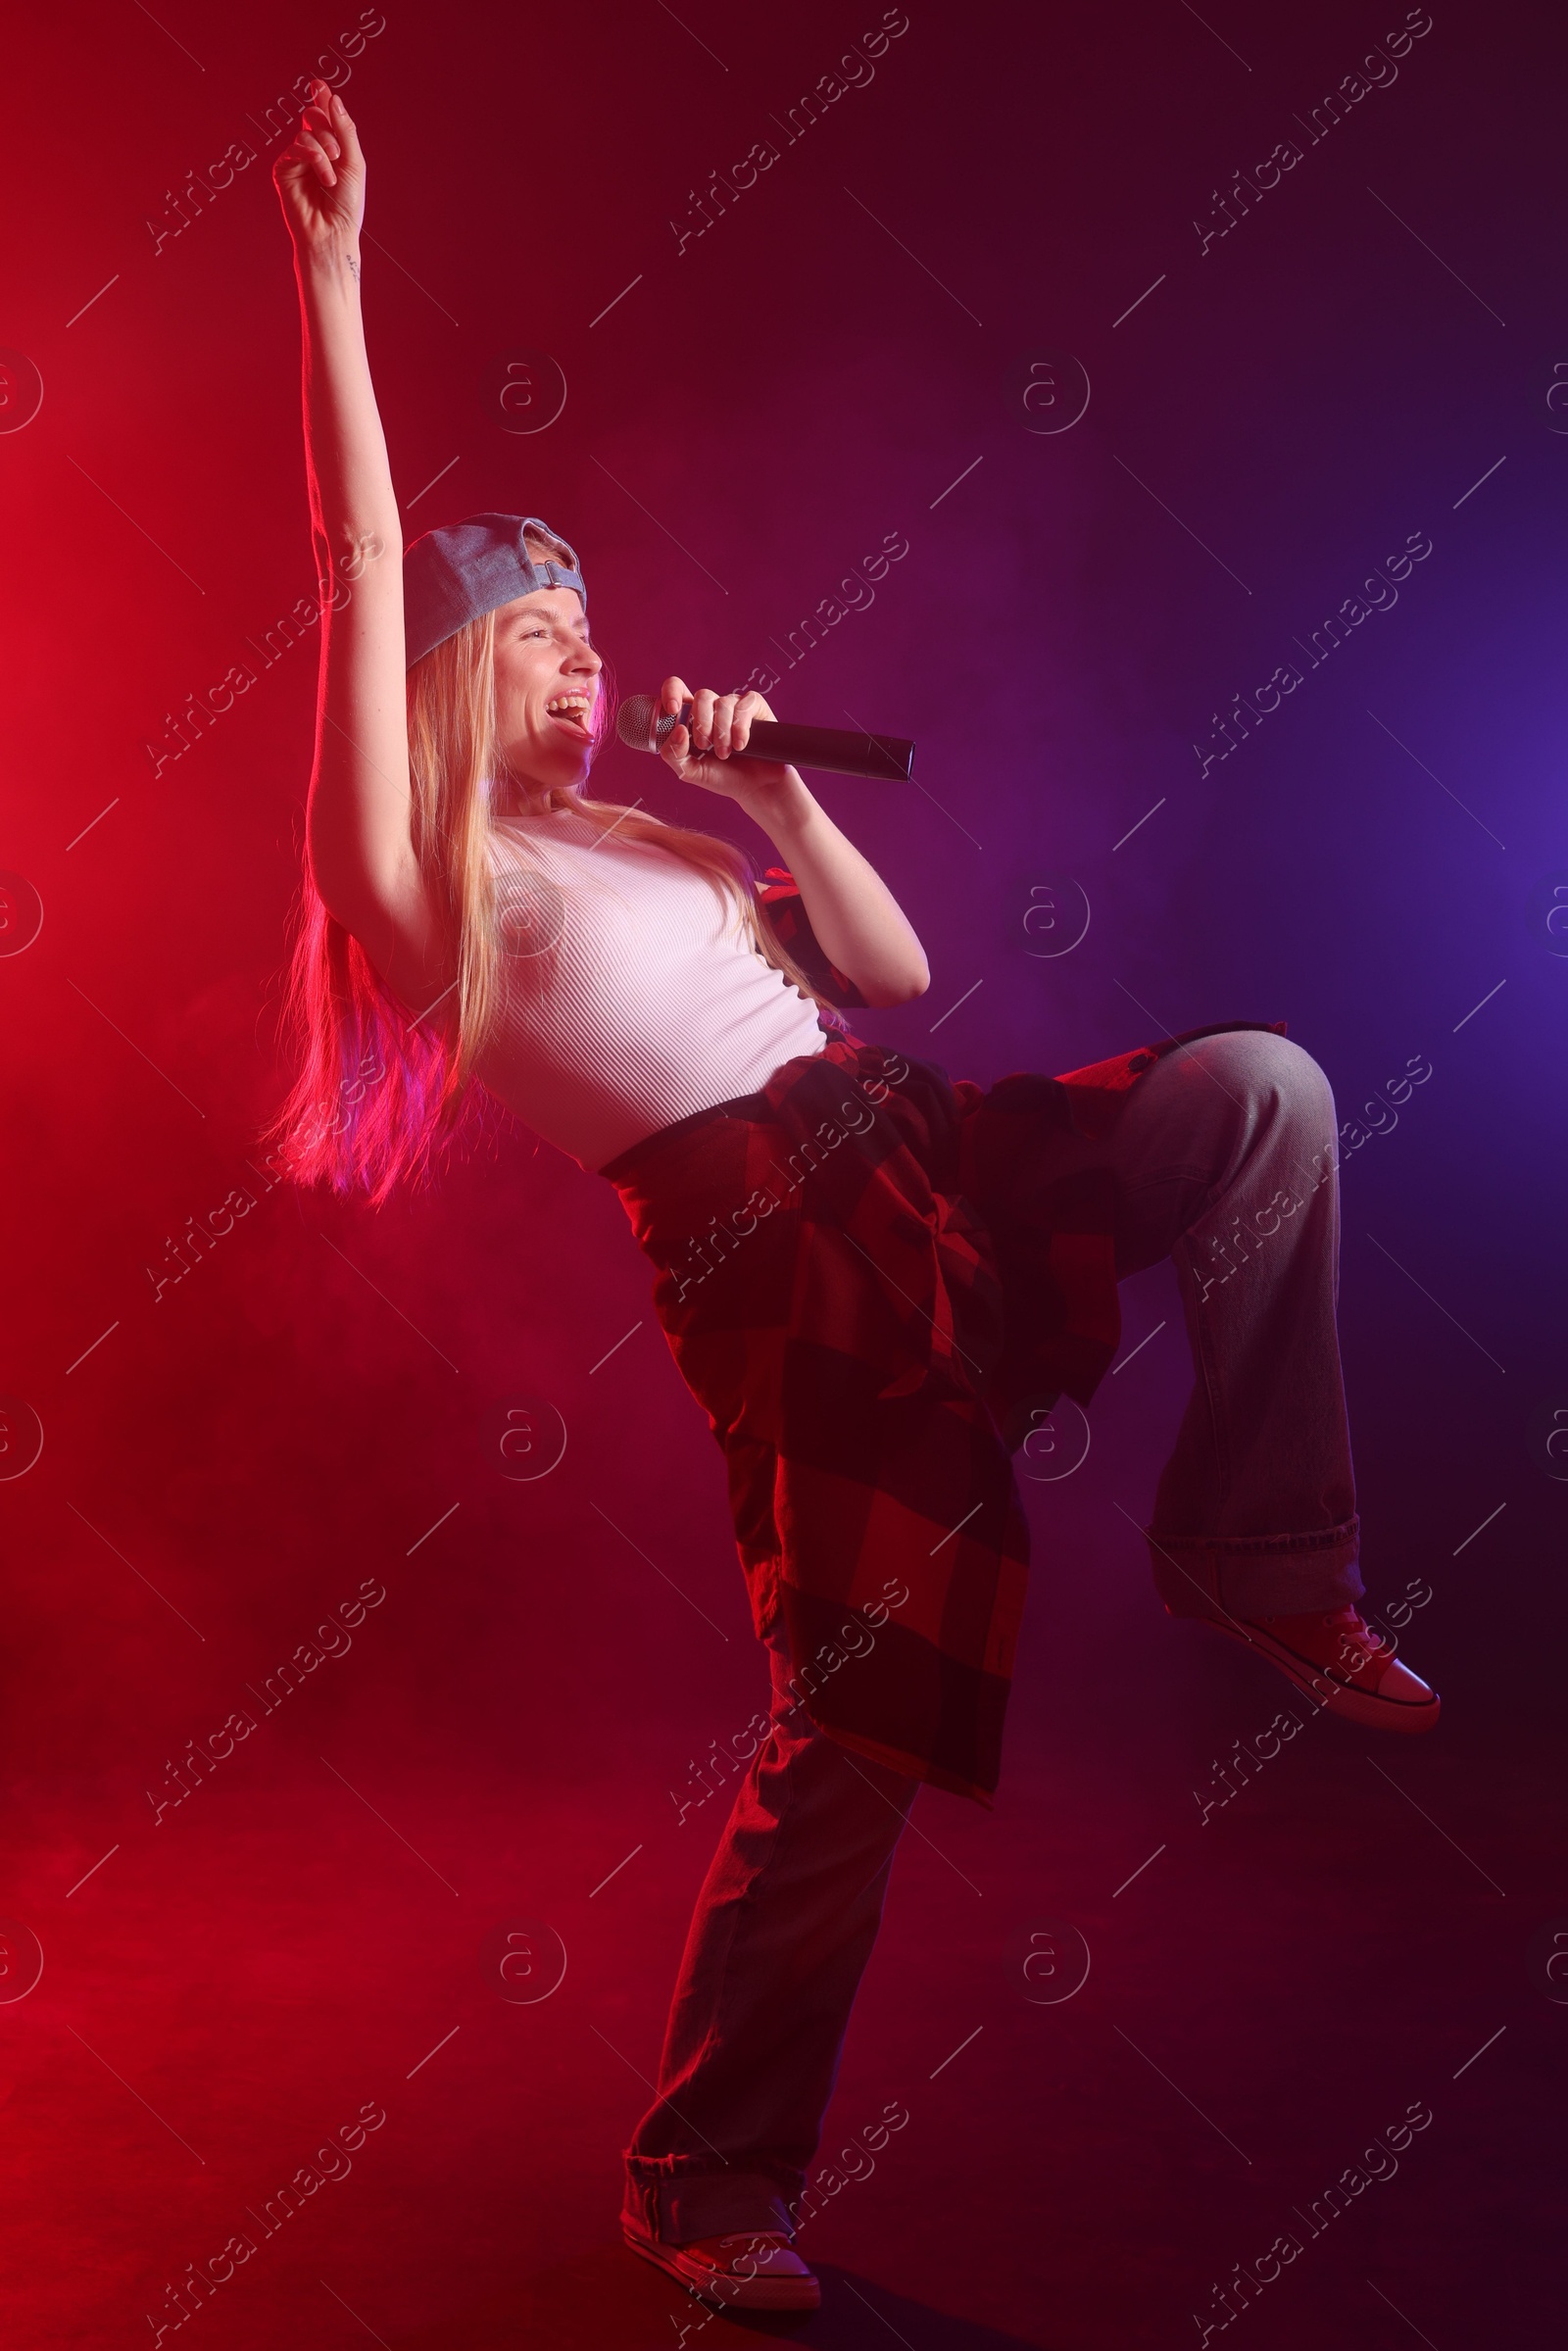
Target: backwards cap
x=466, y=570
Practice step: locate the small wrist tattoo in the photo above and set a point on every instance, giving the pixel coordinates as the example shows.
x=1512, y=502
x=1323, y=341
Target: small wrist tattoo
x=353, y=267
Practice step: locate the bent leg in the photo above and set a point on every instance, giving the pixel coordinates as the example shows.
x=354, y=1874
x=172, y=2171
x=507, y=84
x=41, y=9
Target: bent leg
x=779, y=1939
x=1225, y=1156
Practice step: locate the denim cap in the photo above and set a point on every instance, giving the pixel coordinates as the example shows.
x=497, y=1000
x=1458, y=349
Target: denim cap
x=466, y=570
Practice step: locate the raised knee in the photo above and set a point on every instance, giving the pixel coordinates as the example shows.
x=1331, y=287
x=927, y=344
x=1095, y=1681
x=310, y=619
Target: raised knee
x=1267, y=1070
x=1302, y=1085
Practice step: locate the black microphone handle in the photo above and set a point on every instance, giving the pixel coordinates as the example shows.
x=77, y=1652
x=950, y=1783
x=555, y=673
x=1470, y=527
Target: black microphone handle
x=830, y=750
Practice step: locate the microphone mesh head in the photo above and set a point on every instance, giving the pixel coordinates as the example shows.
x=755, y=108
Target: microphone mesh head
x=635, y=721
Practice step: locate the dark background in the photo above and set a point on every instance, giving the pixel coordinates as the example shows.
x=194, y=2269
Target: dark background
x=839, y=358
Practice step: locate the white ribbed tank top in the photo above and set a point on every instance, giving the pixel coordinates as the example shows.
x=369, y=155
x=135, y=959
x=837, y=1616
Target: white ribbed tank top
x=631, y=996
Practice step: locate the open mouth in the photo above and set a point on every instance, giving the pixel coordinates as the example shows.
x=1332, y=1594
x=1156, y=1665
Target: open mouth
x=574, y=711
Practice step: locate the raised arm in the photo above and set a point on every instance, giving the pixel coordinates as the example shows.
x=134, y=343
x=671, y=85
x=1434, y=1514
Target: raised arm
x=859, y=923
x=358, y=827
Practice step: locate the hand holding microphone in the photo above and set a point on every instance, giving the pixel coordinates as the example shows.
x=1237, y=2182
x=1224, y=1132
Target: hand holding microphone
x=700, y=735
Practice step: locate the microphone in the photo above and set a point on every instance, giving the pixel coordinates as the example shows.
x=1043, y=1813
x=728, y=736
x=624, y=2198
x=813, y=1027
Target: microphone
x=885, y=758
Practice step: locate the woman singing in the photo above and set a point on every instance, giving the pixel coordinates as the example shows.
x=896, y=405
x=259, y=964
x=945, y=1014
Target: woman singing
x=876, y=1281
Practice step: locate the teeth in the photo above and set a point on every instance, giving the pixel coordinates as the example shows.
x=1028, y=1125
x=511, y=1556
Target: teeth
x=565, y=705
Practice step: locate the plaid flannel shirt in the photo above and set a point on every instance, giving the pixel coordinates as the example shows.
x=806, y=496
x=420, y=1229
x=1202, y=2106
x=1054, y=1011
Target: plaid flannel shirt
x=873, y=1283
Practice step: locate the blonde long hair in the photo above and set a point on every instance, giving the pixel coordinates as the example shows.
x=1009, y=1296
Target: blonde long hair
x=382, y=1093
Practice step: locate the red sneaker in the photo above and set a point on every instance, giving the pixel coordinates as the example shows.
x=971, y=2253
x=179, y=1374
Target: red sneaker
x=1341, y=1664
x=757, y=2271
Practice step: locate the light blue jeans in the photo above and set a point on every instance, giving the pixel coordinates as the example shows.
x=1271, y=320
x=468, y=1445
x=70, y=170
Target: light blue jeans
x=1224, y=1155
x=778, y=1942
x=1226, y=1161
